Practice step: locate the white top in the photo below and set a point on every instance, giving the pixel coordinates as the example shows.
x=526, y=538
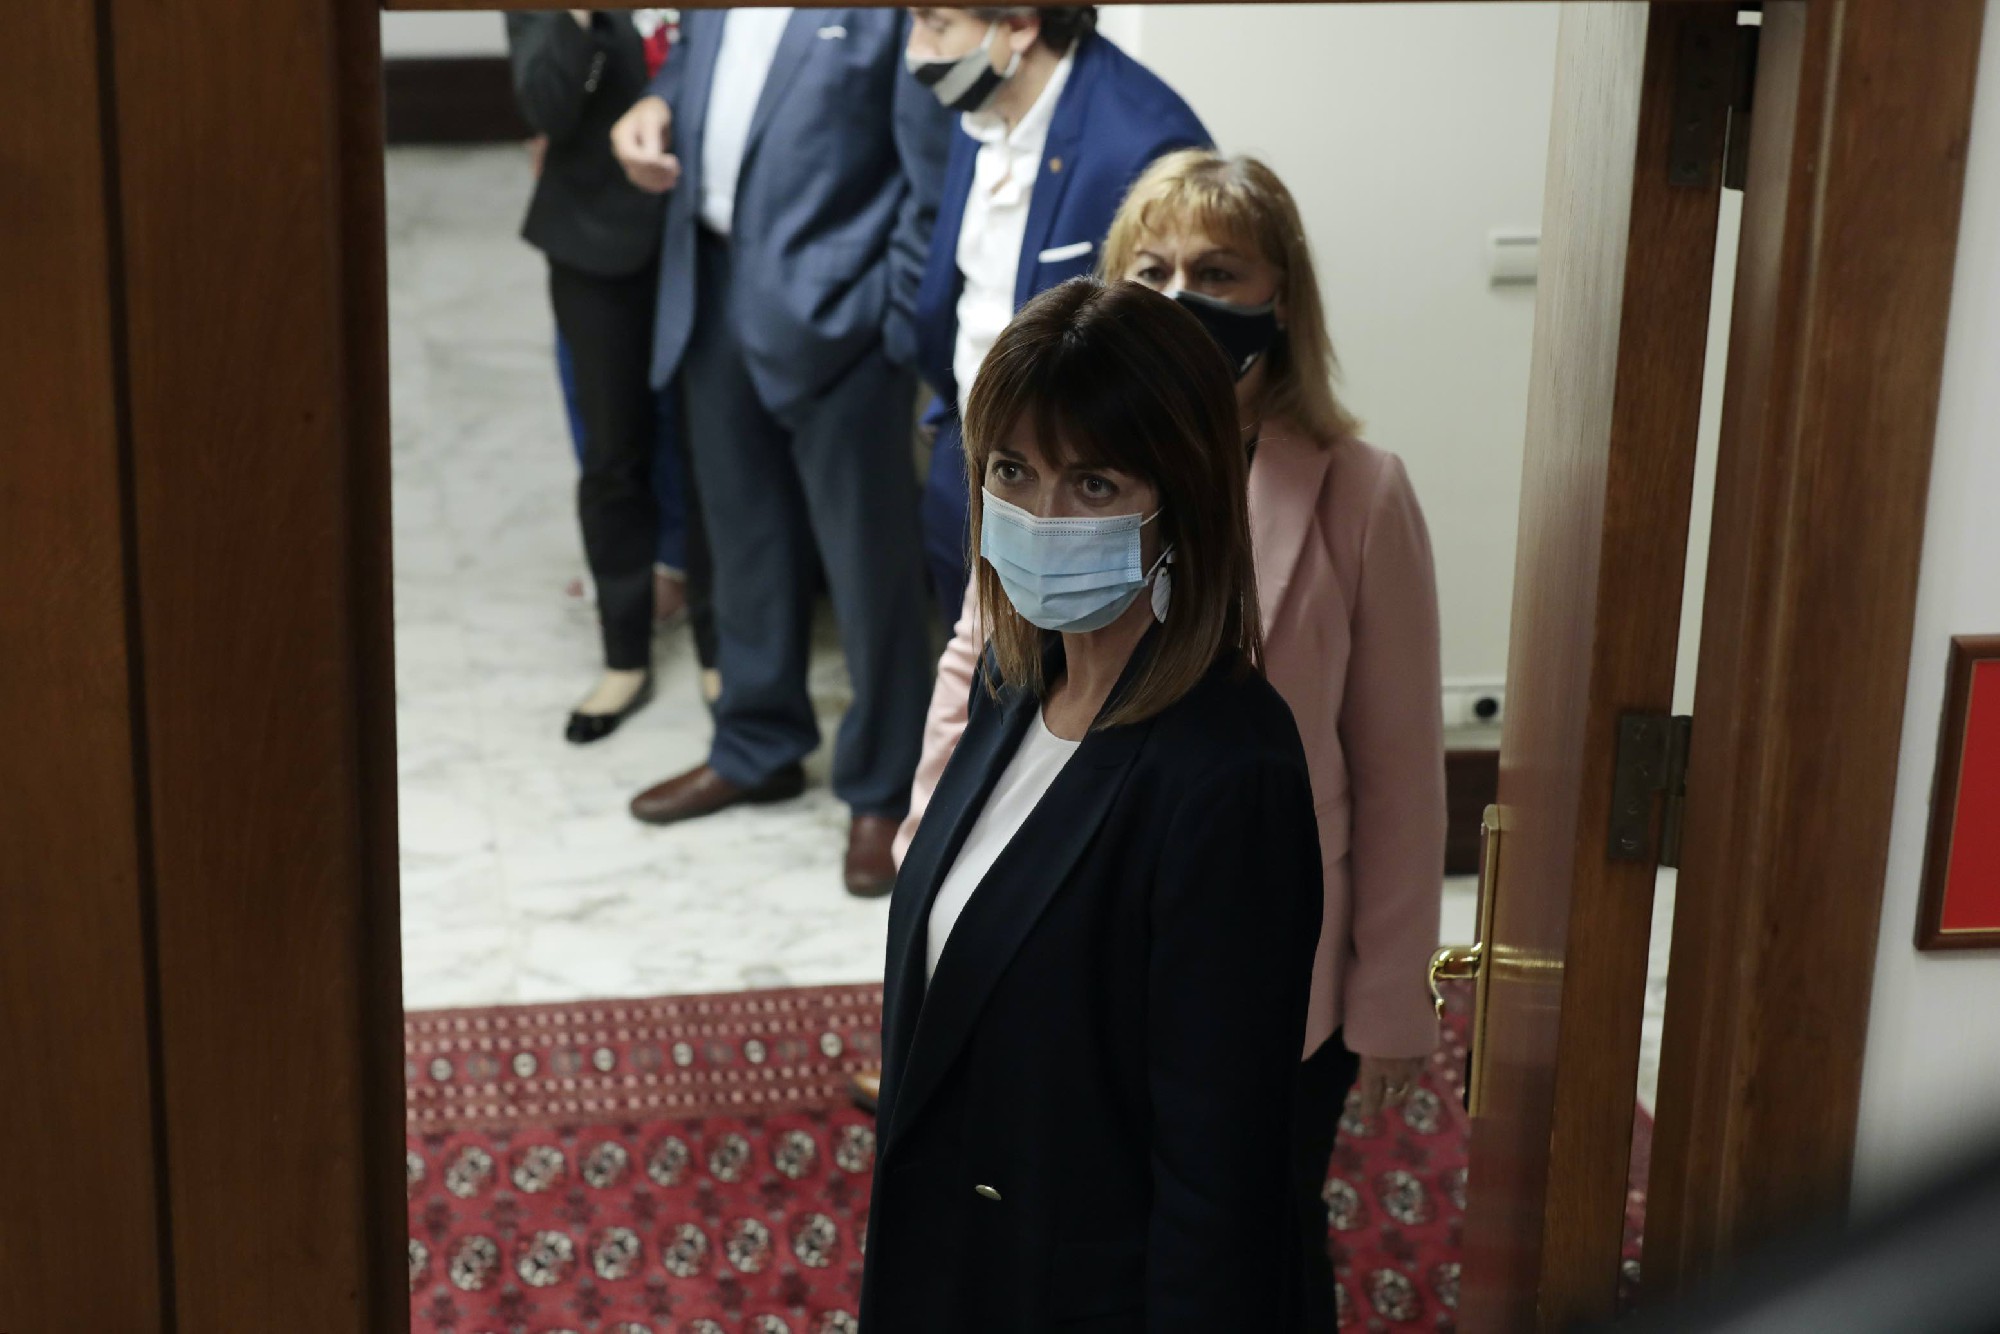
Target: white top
x=749, y=43
x=996, y=223
x=1029, y=775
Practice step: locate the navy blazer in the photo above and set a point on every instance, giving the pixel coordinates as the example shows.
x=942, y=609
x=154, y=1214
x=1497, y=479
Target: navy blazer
x=834, y=206
x=1114, y=117
x=1085, y=1115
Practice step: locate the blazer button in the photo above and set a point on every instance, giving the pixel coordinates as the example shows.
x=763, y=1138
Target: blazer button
x=988, y=1192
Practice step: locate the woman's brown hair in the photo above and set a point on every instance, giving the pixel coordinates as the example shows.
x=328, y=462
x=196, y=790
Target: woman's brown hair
x=1119, y=377
x=1240, y=202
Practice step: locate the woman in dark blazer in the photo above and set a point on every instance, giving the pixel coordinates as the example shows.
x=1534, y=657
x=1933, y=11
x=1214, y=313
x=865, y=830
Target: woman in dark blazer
x=1101, y=942
x=575, y=73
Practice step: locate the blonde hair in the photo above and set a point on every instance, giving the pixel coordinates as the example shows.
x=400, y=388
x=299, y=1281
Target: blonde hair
x=1240, y=202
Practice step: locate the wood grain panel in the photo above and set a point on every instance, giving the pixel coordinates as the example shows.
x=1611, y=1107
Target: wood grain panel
x=1850, y=227
x=362, y=240
x=254, y=291
x=1614, y=398
x=79, y=1217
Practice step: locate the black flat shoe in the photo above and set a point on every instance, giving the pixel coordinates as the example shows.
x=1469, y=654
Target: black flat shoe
x=585, y=728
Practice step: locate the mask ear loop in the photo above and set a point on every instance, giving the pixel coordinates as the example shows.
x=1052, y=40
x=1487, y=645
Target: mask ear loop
x=1013, y=65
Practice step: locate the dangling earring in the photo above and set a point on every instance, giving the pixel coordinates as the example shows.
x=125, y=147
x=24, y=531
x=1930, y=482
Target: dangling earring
x=1163, y=587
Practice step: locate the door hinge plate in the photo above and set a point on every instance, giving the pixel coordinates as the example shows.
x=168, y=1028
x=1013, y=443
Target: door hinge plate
x=1651, y=763
x=1715, y=71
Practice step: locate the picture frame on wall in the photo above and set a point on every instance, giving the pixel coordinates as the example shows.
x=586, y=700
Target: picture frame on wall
x=1960, y=907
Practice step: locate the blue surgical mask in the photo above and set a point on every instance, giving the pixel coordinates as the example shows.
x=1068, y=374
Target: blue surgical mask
x=1069, y=575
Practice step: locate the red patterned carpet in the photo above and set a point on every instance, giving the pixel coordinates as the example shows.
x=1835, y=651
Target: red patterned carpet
x=689, y=1165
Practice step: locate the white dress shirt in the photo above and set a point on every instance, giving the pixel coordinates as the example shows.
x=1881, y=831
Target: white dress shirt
x=996, y=223
x=1028, y=777
x=749, y=43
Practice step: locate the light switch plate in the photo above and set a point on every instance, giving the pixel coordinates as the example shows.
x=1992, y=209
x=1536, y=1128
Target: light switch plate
x=1513, y=257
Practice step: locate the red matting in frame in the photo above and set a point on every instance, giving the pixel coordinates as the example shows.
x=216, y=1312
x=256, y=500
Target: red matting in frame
x=1961, y=899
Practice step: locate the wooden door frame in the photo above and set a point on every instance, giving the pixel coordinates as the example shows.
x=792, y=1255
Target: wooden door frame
x=234, y=813
x=1614, y=411
x=1843, y=292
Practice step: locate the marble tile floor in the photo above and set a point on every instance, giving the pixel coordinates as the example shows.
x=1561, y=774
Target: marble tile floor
x=523, y=877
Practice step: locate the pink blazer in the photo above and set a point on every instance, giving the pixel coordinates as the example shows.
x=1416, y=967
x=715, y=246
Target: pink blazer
x=1349, y=601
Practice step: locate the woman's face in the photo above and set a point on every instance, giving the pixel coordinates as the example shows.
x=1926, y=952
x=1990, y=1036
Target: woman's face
x=1019, y=473
x=1187, y=259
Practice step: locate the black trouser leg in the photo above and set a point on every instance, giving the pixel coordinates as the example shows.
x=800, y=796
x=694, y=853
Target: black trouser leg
x=1324, y=1080
x=608, y=323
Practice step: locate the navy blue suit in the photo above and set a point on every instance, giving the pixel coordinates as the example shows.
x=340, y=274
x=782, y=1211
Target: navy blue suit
x=791, y=340
x=1114, y=117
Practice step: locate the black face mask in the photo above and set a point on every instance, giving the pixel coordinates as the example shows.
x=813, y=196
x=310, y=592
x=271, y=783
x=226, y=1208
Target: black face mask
x=966, y=83
x=1245, y=333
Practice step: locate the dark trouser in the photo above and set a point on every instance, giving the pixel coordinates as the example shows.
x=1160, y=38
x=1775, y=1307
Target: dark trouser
x=1324, y=1080
x=683, y=547
x=835, y=475
x=700, y=567
x=608, y=324
x=946, y=526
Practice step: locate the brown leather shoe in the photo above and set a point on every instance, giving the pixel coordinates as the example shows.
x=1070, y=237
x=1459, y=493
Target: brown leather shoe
x=702, y=791
x=865, y=1088
x=871, y=867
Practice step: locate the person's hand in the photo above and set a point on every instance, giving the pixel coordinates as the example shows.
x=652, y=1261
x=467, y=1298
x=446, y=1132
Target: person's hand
x=1385, y=1081
x=642, y=141
x=538, y=153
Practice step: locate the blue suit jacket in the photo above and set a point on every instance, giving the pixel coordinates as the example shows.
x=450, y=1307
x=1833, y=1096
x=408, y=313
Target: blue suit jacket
x=1115, y=116
x=834, y=206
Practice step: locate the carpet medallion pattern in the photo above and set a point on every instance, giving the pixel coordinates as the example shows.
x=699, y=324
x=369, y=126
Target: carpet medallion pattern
x=689, y=1165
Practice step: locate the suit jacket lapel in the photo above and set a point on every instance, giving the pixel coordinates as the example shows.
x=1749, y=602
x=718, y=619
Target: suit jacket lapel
x=937, y=300
x=1035, y=866
x=1285, y=483
x=962, y=792
x=801, y=31
x=1060, y=153
x=702, y=38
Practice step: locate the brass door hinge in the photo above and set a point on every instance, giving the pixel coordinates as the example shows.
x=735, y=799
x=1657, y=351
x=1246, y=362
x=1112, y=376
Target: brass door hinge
x=1652, y=763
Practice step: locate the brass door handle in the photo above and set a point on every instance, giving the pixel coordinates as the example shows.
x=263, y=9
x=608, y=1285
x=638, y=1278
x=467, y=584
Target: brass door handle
x=1454, y=963
x=1467, y=963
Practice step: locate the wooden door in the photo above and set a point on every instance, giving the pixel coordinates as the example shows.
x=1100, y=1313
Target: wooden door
x=1615, y=390
x=80, y=1244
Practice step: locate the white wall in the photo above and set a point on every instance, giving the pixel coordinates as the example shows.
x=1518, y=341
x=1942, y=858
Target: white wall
x=443, y=34
x=1407, y=133
x=1931, y=1081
